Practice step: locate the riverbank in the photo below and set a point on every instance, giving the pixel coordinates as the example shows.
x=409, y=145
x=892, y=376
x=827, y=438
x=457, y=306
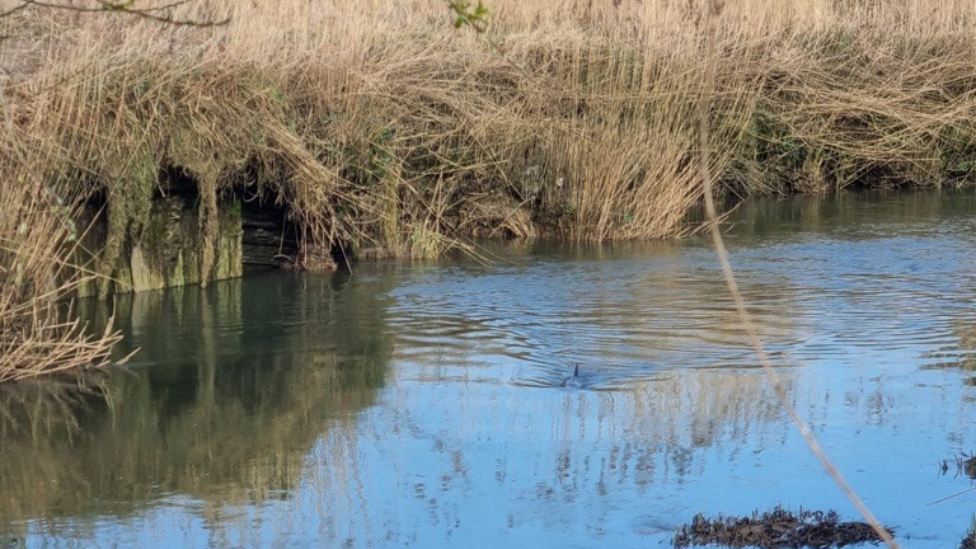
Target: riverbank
x=381, y=126
x=377, y=129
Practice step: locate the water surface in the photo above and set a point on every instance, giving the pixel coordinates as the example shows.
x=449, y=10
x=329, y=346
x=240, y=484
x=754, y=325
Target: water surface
x=421, y=405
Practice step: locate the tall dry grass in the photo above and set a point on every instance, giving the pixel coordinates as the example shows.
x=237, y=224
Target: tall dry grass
x=377, y=125
x=38, y=334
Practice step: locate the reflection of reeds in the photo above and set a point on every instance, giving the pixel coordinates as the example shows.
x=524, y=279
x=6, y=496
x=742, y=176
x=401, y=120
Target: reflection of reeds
x=221, y=427
x=967, y=336
x=961, y=356
x=36, y=406
x=221, y=450
x=967, y=343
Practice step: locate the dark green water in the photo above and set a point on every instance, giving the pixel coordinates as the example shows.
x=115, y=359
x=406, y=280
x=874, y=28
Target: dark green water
x=420, y=404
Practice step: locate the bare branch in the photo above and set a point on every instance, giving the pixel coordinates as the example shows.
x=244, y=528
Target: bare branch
x=125, y=7
x=15, y=9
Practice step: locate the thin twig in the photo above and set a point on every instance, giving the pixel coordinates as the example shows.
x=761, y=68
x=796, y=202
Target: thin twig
x=947, y=498
x=124, y=7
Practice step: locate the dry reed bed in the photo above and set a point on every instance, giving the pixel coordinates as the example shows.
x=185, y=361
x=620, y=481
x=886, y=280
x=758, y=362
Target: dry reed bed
x=380, y=125
x=377, y=125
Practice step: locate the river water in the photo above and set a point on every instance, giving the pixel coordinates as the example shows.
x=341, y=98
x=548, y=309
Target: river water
x=421, y=405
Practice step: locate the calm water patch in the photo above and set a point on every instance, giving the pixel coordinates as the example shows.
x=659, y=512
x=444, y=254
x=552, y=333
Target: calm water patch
x=427, y=405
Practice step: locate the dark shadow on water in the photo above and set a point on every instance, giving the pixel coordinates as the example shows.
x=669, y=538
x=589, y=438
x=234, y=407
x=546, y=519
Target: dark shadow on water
x=232, y=387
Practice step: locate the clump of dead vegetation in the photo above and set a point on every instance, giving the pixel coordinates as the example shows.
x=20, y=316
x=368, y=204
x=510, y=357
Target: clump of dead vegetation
x=778, y=528
x=38, y=333
x=969, y=542
x=965, y=465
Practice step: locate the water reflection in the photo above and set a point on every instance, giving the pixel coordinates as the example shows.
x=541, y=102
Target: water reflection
x=494, y=463
x=955, y=351
x=871, y=215
x=244, y=378
x=634, y=315
x=423, y=404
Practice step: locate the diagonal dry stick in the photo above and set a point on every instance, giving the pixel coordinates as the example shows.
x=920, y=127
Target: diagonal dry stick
x=711, y=10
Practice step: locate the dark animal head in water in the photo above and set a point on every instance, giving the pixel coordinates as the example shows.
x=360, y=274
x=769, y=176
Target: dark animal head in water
x=574, y=380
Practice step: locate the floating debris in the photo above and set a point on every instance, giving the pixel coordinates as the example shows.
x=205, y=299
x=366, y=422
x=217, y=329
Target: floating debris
x=778, y=528
x=966, y=464
x=969, y=542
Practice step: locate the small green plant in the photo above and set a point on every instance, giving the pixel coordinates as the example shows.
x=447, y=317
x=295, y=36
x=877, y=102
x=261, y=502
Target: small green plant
x=426, y=243
x=465, y=14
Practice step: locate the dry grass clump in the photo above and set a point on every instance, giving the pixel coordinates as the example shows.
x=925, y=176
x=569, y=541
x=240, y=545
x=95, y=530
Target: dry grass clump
x=406, y=137
x=969, y=541
x=777, y=528
x=38, y=335
x=867, y=106
x=376, y=125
